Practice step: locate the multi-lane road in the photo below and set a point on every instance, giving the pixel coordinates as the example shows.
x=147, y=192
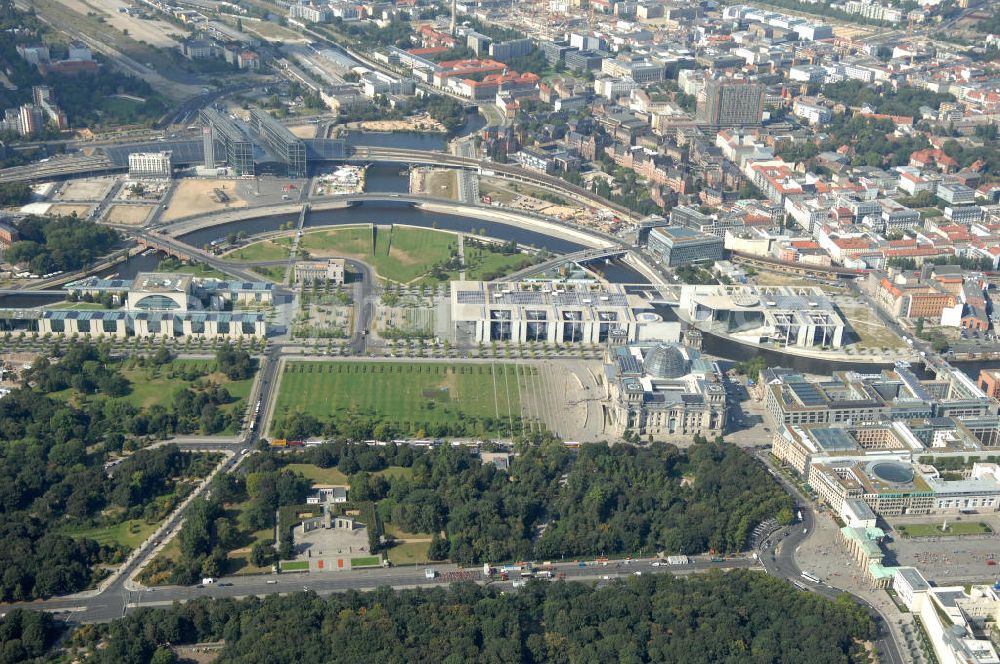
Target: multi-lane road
x=777, y=555
x=117, y=599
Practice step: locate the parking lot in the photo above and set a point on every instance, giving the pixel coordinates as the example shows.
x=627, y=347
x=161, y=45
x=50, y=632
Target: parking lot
x=974, y=341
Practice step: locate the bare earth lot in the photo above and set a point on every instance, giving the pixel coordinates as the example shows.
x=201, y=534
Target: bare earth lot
x=304, y=131
x=80, y=210
x=132, y=215
x=85, y=190
x=153, y=32
x=194, y=197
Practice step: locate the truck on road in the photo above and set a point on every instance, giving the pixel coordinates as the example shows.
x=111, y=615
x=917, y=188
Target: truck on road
x=207, y=581
x=429, y=573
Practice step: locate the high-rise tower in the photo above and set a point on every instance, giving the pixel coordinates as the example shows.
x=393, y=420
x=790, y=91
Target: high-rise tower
x=730, y=103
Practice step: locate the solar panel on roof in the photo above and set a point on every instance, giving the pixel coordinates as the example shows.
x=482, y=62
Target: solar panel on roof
x=806, y=393
x=628, y=364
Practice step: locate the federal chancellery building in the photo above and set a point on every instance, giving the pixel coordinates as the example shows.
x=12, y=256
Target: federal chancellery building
x=153, y=304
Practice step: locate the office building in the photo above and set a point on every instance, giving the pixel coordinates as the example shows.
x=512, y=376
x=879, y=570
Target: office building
x=514, y=48
x=478, y=43
x=641, y=70
x=287, y=147
x=153, y=304
x=236, y=147
x=681, y=246
x=583, y=60
x=555, y=52
x=79, y=52
x=150, y=164
x=892, y=488
x=309, y=13
x=730, y=103
x=954, y=193
x=553, y=313
x=891, y=395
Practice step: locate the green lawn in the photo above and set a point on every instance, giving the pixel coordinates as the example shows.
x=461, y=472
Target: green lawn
x=934, y=529
x=398, y=253
x=239, y=558
x=159, y=569
x=264, y=535
x=352, y=241
x=412, y=252
x=319, y=475
x=275, y=273
x=402, y=392
x=366, y=561
x=389, y=528
x=491, y=264
x=333, y=476
x=294, y=565
x=129, y=533
x=395, y=472
x=410, y=553
x=199, y=270
x=265, y=250
x=155, y=386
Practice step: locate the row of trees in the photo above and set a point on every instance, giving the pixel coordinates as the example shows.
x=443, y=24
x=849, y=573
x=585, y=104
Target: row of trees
x=370, y=425
x=737, y=617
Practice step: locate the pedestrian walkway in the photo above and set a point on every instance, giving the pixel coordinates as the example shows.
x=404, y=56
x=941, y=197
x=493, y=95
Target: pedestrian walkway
x=461, y=255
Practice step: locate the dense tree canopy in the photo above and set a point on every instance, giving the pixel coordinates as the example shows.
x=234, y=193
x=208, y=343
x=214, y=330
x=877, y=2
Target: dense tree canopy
x=14, y=193
x=90, y=370
x=905, y=101
x=604, y=499
x=872, y=142
x=235, y=362
x=210, y=531
x=64, y=243
x=25, y=635
x=54, y=478
x=735, y=618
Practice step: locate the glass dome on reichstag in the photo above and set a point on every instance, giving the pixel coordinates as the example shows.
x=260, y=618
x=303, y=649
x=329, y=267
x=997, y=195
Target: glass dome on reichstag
x=665, y=361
